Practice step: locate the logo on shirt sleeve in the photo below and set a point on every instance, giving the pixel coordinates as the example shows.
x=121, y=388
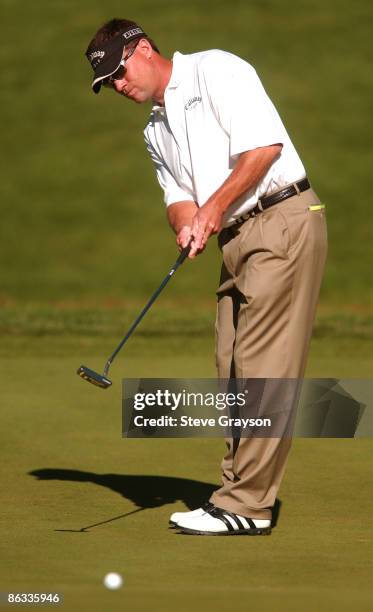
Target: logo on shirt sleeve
x=192, y=103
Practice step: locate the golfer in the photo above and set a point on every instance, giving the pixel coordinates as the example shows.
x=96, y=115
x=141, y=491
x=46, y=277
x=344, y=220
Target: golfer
x=227, y=166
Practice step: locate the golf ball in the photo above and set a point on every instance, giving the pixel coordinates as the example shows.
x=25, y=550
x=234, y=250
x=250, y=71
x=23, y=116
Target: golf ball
x=113, y=581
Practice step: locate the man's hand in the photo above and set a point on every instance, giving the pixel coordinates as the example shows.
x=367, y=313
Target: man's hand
x=183, y=237
x=198, y=224
x=207, y=221
x=180, y=216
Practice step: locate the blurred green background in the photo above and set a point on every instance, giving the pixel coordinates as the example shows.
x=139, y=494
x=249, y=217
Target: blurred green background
x=83, y=243
x=83, y=215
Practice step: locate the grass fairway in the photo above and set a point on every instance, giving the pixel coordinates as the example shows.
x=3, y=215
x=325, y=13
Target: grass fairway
x=83, y=243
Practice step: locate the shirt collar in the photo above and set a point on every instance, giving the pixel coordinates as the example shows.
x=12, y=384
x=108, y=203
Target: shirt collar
x=178, y=71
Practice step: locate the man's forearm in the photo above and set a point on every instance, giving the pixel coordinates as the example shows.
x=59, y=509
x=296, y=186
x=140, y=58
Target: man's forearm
x=181, y=214
x=250, y=168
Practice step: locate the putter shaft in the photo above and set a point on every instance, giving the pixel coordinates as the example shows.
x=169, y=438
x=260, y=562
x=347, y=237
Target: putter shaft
x=183, y=255
x=101, y=380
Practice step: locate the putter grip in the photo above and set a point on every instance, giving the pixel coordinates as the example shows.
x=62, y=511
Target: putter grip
x=183, y=255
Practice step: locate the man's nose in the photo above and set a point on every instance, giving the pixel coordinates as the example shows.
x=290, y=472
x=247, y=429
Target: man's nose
x=118, y=85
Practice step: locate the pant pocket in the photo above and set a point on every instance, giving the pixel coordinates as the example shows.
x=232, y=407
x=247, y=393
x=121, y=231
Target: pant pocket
x=275, y=233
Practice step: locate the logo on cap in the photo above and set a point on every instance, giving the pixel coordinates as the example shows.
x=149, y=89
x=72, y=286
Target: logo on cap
x=96, y=55
x=132, y=32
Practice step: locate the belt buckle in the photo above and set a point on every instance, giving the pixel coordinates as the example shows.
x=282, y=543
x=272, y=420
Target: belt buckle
x=245, y=217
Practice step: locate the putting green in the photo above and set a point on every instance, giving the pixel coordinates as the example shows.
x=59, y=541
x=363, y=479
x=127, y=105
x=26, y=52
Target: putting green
x=85, y=476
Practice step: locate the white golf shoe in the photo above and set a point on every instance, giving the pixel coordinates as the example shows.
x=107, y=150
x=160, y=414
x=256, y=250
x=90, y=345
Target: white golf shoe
x=217, y=521
x=177, y=516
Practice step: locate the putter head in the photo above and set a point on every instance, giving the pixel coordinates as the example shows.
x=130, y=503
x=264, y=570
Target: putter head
x=93, y=377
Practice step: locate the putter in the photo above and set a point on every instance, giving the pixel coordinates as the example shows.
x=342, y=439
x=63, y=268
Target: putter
x=102, y=380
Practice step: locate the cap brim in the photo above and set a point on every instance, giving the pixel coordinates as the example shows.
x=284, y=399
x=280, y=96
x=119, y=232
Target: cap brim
x=105, y=69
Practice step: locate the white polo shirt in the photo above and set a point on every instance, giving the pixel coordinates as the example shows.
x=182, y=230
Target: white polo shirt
x=215, y=109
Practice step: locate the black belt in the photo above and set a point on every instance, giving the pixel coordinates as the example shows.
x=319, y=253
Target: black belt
x=275, y=198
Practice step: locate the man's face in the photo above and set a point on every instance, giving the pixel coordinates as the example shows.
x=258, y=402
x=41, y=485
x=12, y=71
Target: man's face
x=139, y=80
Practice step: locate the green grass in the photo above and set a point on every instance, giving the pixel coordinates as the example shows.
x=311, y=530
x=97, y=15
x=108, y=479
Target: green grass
x=320, y=554
x=177, y=331
x=82, y=208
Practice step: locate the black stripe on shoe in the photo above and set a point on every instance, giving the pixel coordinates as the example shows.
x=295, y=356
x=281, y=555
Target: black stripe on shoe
x=221, y=514
x=218, y=513
x=237, y=520
x=226, y=522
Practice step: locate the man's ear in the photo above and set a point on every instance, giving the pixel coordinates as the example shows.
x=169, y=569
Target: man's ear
x=145, y=47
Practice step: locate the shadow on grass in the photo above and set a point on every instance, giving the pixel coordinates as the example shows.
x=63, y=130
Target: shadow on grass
x=144, y=491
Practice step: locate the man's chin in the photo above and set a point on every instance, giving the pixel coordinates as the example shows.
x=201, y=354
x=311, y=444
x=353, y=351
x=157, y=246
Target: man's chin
x=137, y=98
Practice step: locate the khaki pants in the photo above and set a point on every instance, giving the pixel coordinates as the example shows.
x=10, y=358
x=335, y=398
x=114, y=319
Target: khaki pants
x=270, y=281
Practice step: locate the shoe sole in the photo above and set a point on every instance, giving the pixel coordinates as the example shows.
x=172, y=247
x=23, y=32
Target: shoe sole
x=250, y=532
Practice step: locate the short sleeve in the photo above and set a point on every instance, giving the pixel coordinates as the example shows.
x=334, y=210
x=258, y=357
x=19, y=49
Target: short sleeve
x=172, y=192
x=240, y=103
